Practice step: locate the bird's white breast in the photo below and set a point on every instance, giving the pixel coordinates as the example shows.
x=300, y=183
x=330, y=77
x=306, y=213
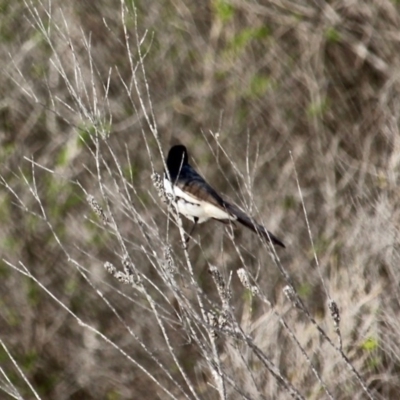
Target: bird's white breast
x=191, y=207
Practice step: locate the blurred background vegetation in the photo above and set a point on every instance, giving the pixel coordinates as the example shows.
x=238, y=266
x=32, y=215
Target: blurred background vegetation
x=257, y=91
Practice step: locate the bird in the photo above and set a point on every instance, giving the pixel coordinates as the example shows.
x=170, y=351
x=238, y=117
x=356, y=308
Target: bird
x=196, y=200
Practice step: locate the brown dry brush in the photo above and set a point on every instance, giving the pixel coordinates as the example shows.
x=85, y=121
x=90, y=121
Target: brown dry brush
x=290, y=108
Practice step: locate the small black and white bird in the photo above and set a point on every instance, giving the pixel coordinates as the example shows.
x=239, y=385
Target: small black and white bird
x=195, y=199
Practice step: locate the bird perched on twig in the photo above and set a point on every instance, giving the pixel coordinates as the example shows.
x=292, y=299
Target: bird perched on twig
x=195, y=199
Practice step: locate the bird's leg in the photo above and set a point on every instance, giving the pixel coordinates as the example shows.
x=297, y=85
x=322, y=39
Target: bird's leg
x=192, y=230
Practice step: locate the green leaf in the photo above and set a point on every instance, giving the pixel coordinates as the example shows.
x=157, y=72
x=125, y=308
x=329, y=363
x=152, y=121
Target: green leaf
x=223, y=10
x=370, y=344
x=259, y=84
x=244, y=37
x=333, y=35
x=318, y=108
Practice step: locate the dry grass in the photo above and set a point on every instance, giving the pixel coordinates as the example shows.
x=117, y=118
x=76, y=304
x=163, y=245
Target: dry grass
x=292, y=105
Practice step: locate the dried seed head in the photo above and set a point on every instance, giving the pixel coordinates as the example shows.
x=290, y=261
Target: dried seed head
x=98, y=210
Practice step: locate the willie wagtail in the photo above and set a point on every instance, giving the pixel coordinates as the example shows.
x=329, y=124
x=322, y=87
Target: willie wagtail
x=195, y=199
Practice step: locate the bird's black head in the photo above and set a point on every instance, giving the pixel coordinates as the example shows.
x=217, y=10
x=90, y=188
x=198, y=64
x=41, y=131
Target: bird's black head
x=177, y=158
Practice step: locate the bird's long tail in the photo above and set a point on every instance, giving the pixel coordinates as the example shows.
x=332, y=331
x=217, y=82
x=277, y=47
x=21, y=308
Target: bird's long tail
x=245, y=220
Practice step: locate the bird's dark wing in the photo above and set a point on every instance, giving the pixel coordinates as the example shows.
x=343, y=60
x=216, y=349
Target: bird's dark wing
x=195, y=185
